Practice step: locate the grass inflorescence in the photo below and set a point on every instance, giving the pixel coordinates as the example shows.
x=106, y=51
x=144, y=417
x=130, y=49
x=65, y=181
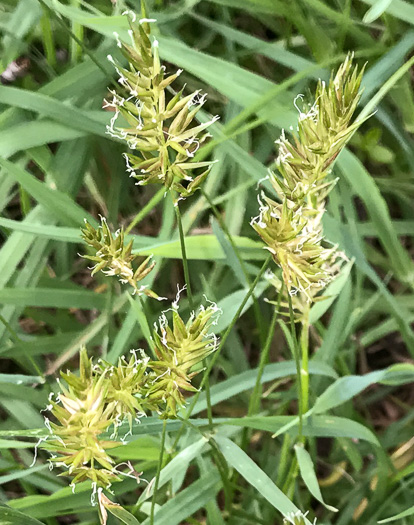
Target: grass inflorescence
x=233, y=374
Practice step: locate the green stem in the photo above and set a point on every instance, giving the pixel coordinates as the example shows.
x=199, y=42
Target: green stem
x=304, y=345
x=17, y=339
x=294, y=468
x=284, y=459
x=222, y=342
x=184, y=256
x=290, y=480
x=159, y=467
x=47, y=37
x=298, y=368
x=80, y=43
x=255, y=399
x=191, y=300
x=108, y=311
x=146, y=209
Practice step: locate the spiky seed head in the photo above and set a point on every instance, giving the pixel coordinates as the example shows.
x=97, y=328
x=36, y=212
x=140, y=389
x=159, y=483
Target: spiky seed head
x=179, y=348
x=292, y=229
x=160, y=122
x=113, y=256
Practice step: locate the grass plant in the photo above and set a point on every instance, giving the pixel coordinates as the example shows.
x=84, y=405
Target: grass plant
x=198, y=325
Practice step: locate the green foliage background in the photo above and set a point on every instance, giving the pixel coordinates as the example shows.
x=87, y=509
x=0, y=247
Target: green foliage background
x=58, y=166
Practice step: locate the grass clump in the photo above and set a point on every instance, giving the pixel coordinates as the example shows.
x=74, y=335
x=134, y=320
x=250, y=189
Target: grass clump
x=295, y=409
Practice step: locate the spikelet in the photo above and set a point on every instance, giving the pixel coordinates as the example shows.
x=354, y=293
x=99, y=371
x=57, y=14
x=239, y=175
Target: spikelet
x=114, y=257
x=292, y=229
x=160, y=121
x=178, y=349
x=82, y=416
x=295, y=245
x=323, y=130
x=126, y=386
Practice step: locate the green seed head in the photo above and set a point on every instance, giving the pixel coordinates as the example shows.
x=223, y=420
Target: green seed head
x=292, y=229
x=114, y=257
x=159, y=121
x=179, y=348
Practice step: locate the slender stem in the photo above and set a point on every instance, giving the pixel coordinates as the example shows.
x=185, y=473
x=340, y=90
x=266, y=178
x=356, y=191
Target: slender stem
x=290, y=480
x=146, y=209
x=284, y=459
x=80, y=43
x=304, y=345
x=222, y=342
x=159, y=467
x=17, y=339
x=108, y=311
x=298, y=369
x=13, y=333
x=184, y=256
x=208, y=399
x=191, y=300
x=255, y=399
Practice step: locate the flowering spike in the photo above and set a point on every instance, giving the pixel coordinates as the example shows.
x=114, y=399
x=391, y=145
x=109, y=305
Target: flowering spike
x=292, y=229
x=159, y=124
x=104, y=395
x=114, y=257
x=178, y=350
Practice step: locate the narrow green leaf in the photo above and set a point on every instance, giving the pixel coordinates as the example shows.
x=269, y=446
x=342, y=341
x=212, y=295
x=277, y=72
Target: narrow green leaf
x=348, y=387
x=364, y=186
x=11, y=443
x=122, y=514
x=376, y=10
x=66, y=115
x=19, y=379
x=53, y=298
x=60, y=204
x=398, y=8
x=313, y=426
x=254, y=475
x=188, y=501
x=246, y=380
x=401, y=515
x=10, y=516
x=31, y=134
x=307, y=471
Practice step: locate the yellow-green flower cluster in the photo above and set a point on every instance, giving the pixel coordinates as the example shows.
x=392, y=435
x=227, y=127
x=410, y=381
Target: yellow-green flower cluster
x=103, y=396
x=159, y=120
x=83, y=415
x=178, y=349
x=114, y=257
x=292, y=228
